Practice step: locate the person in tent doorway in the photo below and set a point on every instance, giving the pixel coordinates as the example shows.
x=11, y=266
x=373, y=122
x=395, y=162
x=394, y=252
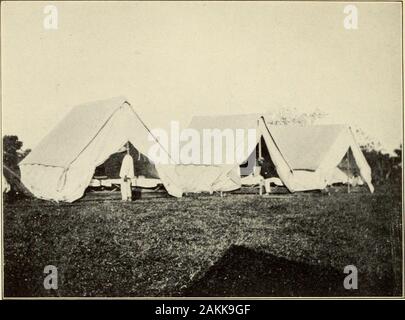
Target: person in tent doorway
x=126, y=174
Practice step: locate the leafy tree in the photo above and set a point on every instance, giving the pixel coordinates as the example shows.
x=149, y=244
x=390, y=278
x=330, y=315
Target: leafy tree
x=386, y=168
x=291, y=116
x=11, y=156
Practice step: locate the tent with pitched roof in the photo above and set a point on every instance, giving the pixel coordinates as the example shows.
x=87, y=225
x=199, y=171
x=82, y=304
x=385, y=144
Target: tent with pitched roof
x=320, y=155
x=303, y=157
x=207, y=174
x=61, y=167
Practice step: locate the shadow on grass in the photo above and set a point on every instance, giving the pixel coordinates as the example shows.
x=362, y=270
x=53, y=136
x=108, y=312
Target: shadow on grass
x=245, y=272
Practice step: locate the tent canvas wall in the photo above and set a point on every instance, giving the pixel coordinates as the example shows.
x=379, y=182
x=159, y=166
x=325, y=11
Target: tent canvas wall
x=304, y=157
x=61, y=167
x=222, y=176
x=313, y=153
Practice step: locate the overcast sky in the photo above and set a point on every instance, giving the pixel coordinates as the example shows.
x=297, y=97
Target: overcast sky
x=174, y=60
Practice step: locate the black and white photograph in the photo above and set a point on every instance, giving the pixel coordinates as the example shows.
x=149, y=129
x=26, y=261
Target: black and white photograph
x=202, y=149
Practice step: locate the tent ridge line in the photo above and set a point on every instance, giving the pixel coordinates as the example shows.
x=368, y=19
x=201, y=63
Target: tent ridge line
x=150, y=132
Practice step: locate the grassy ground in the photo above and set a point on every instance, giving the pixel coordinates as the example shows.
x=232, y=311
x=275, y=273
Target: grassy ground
x=238, y=245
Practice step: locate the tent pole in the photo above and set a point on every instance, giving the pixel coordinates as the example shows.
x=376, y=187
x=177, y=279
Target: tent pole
x=260, y=161
x=260, y=142
x=260, y=148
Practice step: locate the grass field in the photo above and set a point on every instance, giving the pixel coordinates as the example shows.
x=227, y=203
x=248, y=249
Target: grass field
x=238, y=245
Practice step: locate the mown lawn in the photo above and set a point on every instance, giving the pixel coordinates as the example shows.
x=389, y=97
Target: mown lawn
x=238, y=245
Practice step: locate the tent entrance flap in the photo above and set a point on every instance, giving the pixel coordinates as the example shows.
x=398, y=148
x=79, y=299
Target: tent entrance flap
x=347, y=172
x=111, y=167
x=260, y=157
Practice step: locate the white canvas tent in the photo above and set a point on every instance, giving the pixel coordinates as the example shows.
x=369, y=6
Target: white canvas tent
x=61, y=167
x=314, y=153
x=304, y=157
x=222, y=176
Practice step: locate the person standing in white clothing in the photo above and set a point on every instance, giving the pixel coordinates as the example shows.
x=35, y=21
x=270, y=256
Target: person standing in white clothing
x=126, y=174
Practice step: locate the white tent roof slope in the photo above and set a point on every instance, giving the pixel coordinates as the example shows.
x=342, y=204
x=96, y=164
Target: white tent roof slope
x=305, y=157
x=61, y=167
x=222, y=176
x=314, y=152
x=305, y=146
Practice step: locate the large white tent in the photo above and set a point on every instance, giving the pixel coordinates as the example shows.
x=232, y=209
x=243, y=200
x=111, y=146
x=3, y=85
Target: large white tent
x=304, y=157
x=222, y=176
x=61, y=167
x=314, y=154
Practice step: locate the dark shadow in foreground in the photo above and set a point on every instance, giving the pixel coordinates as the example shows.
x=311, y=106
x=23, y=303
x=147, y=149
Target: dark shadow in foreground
x=248, y=273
